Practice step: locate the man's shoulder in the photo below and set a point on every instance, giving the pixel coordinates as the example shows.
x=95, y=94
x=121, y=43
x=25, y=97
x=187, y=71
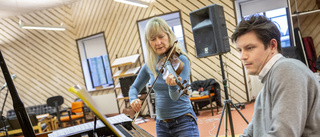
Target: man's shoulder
x=290, y=66
x=289, y=62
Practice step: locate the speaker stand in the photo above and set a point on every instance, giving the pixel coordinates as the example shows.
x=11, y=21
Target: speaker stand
x=227, y=103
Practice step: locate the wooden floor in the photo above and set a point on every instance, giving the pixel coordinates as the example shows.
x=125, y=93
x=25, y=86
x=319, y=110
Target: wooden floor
x=208, y=124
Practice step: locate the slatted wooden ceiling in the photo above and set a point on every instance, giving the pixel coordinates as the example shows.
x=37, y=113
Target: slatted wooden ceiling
x=47, y=62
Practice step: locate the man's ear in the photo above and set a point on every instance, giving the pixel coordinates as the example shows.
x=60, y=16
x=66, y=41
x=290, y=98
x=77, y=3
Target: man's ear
x=273, y=45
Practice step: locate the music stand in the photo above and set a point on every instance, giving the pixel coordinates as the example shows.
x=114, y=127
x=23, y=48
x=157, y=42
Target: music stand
x=18, y=105
x=227, y=103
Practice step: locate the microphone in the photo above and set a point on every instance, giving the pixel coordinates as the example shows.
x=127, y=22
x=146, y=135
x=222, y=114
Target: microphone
x=14, y=76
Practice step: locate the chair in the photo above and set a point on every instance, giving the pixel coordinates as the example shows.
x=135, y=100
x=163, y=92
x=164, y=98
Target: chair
x=75, y=113
x=56, y=102
x=213, y=89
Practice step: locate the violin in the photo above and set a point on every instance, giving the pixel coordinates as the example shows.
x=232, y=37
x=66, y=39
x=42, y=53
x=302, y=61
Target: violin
x=171, y=63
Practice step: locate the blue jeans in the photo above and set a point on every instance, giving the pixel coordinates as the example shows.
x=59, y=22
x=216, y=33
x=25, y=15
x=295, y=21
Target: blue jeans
x=183, y=126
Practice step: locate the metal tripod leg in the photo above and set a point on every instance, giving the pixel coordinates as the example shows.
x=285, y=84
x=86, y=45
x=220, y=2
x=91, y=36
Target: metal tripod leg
x=226, y=103
x=239, y=112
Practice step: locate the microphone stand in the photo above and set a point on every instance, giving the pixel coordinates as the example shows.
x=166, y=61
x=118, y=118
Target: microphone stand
x=4, y=102
x=5, y=85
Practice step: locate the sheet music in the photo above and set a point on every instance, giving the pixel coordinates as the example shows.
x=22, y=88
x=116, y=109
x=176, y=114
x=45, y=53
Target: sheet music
x=76, y=129
x=88, y=126
x=119, y=119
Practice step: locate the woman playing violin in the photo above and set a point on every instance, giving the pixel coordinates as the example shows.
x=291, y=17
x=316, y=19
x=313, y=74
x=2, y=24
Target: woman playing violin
x=175, y=116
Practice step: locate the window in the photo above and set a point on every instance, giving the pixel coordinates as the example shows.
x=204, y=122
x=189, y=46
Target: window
x=279, y=17
x=177, y=30
x=277, y=12
x=95, y=62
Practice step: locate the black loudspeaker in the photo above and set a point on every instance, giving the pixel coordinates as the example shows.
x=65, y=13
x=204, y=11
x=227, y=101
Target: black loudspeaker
x=210, y=31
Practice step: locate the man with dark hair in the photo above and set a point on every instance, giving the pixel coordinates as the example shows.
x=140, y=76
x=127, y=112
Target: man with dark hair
x=288, y=105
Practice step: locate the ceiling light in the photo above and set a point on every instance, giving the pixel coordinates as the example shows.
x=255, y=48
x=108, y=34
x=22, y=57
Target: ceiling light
x=135, y=2
x=41, y=27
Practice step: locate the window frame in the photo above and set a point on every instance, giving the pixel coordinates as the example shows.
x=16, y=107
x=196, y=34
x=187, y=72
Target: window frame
x=248, y=7
x=85, y=65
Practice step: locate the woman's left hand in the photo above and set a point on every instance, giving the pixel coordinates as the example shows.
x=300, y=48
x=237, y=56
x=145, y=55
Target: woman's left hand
x=171, y=80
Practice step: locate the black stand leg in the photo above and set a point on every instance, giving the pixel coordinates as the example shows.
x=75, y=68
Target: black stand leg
x=94, y=134
x=227, y=103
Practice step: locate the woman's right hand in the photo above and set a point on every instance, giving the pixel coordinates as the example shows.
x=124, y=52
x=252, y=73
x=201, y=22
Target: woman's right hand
x=136, y=105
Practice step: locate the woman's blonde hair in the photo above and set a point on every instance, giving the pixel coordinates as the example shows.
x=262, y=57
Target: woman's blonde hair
x=152, y=29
